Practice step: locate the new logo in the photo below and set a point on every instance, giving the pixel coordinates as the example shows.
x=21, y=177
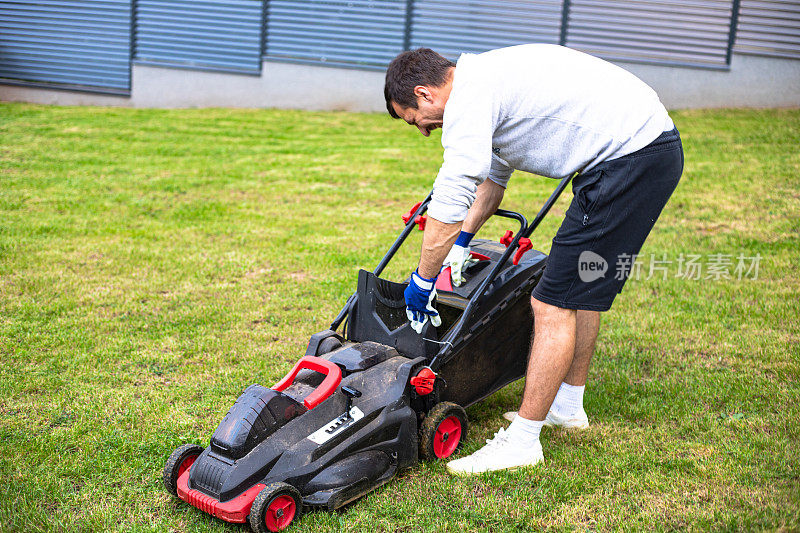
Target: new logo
x=591, y=266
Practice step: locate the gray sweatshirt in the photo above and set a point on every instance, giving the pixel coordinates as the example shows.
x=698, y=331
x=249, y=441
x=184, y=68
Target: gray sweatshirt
x=539, y=108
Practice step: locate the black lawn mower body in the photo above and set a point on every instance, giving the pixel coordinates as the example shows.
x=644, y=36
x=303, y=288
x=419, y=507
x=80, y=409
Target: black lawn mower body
x=366, y=402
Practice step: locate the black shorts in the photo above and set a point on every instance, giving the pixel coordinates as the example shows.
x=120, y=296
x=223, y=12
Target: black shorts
x=615, y=206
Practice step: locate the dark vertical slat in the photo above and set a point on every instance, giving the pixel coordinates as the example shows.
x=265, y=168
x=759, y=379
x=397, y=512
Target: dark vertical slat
x=264, y=23
x=132, y=37
x=564, y=22
x=408, y=24
x=732, y=33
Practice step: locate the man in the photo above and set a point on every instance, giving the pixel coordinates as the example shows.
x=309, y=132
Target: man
x=554, y=112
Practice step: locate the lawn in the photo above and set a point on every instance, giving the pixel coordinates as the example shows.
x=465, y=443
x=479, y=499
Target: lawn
x=154, y=263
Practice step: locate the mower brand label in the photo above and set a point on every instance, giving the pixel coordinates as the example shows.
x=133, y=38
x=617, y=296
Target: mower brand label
x=336, y=426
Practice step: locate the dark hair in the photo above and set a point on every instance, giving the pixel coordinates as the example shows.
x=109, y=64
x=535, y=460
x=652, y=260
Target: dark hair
x=422, y=66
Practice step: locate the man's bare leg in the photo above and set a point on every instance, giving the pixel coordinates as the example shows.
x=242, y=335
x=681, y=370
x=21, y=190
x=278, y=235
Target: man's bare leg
x=588, y=325
x=569, y=400
x=567, y=409
x=552, y=354
x=550, y=359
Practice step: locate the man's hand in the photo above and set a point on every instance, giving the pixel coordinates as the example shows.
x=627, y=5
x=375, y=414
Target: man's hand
x=459, y=258
x=419, y=302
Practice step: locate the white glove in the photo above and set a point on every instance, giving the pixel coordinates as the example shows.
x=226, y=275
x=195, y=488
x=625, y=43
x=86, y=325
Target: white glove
x=458, y=260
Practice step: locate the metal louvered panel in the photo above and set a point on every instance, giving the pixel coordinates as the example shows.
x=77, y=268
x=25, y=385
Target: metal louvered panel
x=364, y=33
x=66, y=44
x=769, y=28
x=452, y=27
x=687, y=32
x=220, y=35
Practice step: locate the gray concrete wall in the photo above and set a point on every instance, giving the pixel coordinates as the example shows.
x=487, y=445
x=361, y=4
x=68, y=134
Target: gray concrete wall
x=751, y=82
x=13, y=93
x=282, y=85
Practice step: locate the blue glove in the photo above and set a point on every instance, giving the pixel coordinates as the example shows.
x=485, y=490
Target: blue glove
x=419, y=302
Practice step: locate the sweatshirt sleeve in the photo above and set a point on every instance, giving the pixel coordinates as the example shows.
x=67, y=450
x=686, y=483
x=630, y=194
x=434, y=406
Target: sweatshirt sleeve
x=500, y=172
x=467, y=141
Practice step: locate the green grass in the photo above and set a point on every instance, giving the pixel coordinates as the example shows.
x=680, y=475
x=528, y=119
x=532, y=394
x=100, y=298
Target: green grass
x=153, y=263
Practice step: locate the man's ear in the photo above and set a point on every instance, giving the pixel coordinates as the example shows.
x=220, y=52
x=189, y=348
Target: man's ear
x=420, y=91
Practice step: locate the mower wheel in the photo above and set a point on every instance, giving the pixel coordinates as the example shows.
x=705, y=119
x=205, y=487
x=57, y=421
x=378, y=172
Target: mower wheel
x=178, y=463
x=442, y=431
x=328, y=345
x=276, y=506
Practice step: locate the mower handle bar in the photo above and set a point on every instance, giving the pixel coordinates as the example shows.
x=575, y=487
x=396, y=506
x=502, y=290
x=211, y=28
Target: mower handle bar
x=445, y=353
x=409, y=227
x=398, y=242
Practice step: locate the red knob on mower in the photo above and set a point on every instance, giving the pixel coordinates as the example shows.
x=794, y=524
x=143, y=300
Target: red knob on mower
x=419, y=221
x=524, y=245
x=423, y=382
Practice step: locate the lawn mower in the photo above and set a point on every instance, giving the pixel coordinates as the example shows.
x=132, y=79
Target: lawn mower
x=374, y=398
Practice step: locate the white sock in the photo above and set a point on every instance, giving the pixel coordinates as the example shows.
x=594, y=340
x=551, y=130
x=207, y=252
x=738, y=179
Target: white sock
x=524, y=431
x=569, y=400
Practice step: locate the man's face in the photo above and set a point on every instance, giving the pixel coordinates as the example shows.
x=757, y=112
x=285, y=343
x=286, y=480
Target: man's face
x=429, y=112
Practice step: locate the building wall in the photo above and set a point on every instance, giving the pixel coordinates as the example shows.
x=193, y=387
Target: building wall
x=751, y=82
x=329, y=54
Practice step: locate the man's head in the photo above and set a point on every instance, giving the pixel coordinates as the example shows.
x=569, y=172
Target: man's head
x=417, y=87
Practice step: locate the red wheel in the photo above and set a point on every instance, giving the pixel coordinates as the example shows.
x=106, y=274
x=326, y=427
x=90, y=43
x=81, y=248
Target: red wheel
x=275, y=507
x=179, y=462
x=280, y=513
x=442, y=431
x=447, y=438
x=186, y=464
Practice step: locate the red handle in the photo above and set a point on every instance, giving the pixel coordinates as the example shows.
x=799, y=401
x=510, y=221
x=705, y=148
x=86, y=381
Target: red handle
x=333, y=376
x=419, y=221
x=524, y=245
x=507, y=238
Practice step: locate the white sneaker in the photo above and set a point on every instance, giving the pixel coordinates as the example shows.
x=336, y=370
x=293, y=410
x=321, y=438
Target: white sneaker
x=498, y=454
x=553, y=419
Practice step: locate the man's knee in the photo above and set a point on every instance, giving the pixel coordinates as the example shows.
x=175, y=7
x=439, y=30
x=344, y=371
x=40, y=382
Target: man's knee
x=542, y=309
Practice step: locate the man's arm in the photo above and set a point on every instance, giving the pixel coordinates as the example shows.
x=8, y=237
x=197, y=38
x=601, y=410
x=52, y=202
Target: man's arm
x=487, y=200
x=439, y=236
x=436, y=243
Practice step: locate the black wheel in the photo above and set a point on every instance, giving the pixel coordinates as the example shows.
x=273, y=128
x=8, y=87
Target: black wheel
x=179, y=462
x=442, y=431
x=328, y=345
x=276, y=506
